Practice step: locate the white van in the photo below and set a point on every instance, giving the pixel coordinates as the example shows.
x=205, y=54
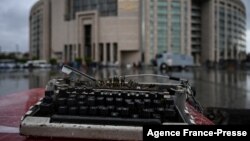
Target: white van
x=171, y=60
x=37, y=64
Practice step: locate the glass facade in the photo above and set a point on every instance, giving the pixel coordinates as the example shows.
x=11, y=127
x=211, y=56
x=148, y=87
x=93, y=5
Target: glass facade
x=231, y=30
x=162, y=16
x=105, y=7
x=166, y=26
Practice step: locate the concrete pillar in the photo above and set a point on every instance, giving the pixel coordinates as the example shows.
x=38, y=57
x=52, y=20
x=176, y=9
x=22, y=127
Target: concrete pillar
x=71, y=53
x=232, y=52
x=116, y=53
x=237, y=53
x=105, y=54
x=218, y=54
x=197, y=59
x=75, y=51
x=226, y=79
x=67, y=53
x=97, y=48
x=119, y=58
x=93, y=51
x=64, y=54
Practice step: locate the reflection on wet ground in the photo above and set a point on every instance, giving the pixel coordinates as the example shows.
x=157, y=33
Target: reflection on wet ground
x=215, y=88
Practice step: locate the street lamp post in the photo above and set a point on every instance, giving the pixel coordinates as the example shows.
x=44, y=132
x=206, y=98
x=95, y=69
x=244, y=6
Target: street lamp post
x=17, y=48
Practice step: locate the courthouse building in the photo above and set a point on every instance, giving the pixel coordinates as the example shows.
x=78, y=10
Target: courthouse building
x=132, y=31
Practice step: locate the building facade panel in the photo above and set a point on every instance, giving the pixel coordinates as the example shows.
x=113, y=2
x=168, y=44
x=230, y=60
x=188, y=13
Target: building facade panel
x=39, y=30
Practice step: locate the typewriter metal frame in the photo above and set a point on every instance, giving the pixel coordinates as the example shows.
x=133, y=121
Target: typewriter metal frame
x=188, y=108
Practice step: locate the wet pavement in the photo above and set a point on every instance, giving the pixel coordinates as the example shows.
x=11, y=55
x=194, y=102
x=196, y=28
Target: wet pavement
x=215, y=88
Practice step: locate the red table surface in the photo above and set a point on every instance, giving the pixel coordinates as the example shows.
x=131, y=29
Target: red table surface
x=12, y=108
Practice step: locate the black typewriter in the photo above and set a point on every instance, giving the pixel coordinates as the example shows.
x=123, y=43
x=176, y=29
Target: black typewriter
x=112, y=109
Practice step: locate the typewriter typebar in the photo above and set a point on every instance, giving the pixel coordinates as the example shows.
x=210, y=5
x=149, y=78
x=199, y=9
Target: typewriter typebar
x=113, y=109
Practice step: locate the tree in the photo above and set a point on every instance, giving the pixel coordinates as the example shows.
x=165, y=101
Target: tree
x=53, y=61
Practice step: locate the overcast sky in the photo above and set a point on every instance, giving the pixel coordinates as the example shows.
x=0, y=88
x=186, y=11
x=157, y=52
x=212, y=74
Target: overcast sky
x=14, y=15
x=14, y=24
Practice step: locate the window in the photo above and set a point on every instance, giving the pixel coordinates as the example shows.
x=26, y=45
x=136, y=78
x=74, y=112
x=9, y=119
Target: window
x=105, y=7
